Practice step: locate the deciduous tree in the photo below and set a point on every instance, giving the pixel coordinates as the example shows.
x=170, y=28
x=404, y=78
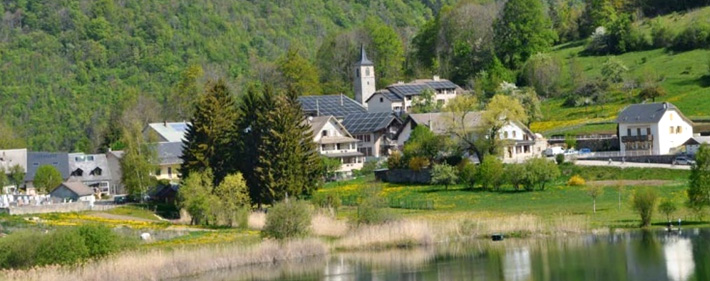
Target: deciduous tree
x=444, y=174
x=522, y=30
x=699, y=190
x=47, y=178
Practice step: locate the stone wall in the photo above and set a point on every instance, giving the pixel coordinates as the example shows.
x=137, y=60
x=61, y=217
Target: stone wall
x=403, y=176
x=55, y=208
x=611, y=144
x=658, y=159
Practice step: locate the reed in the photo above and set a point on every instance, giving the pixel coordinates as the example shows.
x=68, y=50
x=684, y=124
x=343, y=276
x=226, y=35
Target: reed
x=323, y=224
x=165, y=264
x=392, y=234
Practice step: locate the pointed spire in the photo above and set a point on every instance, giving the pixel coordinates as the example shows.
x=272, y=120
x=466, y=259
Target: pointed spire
x=363, y=57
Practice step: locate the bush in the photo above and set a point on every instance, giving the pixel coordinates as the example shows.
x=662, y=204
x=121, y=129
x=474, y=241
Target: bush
x=515, y=175
x=490, y=173
x=62, y=247
x=99, y=240
x=394, y=161
x=667, y=207
x=560, y=159
x=371, y=207
x=696, y=36
x=467, y=174
x=644, y=202
x=288, y=219
x=18, y=250
x=327, y=200
x=368, y=168
x=418, y=163
x=576, y=181
x=444, y=174
x=662, y=36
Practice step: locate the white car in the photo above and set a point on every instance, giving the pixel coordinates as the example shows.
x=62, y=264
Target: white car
x=571, y=152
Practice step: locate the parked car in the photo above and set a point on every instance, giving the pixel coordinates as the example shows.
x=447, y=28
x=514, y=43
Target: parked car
x=683, y=160
x=585, y=151
x=571, y=151
x=552, y=151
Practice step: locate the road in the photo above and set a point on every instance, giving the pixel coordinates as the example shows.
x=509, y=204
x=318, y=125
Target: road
x=629, y=164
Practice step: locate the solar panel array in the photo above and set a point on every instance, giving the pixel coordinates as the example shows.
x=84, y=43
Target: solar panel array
x=336, y=105
x=408, y=89
x=441, y=84
x=180, y=127
x=367, y=122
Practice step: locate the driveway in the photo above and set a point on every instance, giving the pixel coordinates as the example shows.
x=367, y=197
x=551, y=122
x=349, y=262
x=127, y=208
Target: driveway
x=630, y=164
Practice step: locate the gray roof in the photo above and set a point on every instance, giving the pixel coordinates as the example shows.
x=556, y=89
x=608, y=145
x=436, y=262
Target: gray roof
x=169, y=153
x=386, y=93
x=363, y=57
x=168, y=131
x=358, y=123
x=336, y=105
x=77, y=187
x=646, y=113
x=60, y=161
x=697, y=140
x=89, y=163
x=416, y=87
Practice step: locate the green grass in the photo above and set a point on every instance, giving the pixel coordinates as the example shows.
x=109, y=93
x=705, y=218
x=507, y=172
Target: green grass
x=557, y=200
x=133, y=211
x=686, y=78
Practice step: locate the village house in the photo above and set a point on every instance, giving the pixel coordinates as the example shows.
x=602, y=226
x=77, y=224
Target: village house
x=92, y=170
x=169, y=161
x=72, y=191
x=334, y=141
x=166, y=131
x=521, y=143
x=60, y=161
x=693, y=144
x=399, y=97
x=652, y=129
x=375, y=131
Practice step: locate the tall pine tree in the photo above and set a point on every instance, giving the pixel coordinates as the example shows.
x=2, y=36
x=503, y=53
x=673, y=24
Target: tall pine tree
x=288, y=161
x=209, y=138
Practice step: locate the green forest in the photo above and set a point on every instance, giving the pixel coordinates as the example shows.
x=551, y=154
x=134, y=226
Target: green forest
x=74, y=72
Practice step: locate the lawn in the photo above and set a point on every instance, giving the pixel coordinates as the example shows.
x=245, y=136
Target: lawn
x=134, y=211
x=558, y=200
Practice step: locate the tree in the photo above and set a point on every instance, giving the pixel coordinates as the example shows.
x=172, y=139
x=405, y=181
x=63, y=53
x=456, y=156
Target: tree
x=425, y=103
x=570, y=141
x=595, y=191
x=418, y=163
x=195, y=196
x=522, y=30
x=516, y=175
x=233, y=197
x=644, y=202
x=184, y=94
x=490, y=173
x=424, y=143
x=667, y=207
x=395, y=160
x=207, y=143
x=289, y=163
x=596, y=13
x=467, y=174
x=46, y=178
x=539, y=172
x=613, y=70
x=138, y=161
x=330, y=166
x=298, y=73
x=459, y=112
x=500, y=111
x=251, y=125
x=527, y=97
x=542, y=72
x=388, y=51
x=699, y=189
x=652, y=93
x=444, y=174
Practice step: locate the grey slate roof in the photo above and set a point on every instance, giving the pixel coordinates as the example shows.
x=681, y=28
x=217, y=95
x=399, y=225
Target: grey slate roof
x=386, y=93
x=363, y=57
x=336, y=105
x=358, y=123
x=169, y=153
x=77, y=187
x=646, y=113
x=408, y=89
x=168, y=131
x=60, y=161
x=397, y=92
x=88, y=163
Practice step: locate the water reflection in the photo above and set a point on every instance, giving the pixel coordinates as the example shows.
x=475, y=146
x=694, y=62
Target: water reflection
x=621, y=256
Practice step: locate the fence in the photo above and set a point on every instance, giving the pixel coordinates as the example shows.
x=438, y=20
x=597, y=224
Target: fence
x=56, y=208
x=613, y=154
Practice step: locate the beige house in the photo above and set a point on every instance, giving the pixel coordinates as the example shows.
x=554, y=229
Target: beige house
x=375, y=131
x=334, y=141
x=169, y=161
x=400, y=97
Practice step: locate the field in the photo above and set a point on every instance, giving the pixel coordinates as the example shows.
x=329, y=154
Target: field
x=684, y=75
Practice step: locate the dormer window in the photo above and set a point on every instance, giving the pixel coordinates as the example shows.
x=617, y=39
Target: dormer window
x=77, y=173
x=382, y=100
x=96, y=172
x=324, y=133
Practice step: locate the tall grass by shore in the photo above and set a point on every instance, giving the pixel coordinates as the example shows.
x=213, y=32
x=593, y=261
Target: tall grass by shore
x=164, y=264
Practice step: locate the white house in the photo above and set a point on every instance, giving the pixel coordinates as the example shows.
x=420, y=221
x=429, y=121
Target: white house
x=521, y=143
x=93, y=171
x=400, y=97
x=334, y=141
x=693, y=144
x=653, y=129
x=375, y=131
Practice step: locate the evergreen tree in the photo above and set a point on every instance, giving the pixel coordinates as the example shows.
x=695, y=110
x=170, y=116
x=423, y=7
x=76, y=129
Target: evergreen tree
x=523, y=30
x=288, y=160
x=209, y=137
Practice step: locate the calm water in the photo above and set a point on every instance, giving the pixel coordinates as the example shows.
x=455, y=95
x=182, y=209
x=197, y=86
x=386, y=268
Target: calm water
x=627, y=256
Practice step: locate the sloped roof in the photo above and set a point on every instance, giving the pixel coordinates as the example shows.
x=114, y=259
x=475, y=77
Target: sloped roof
x=60, y=161
x=368, y=122
x=169, y=131
x=363, y=57
x=77, y=187
x=408, y=89
x=440, y=122
x=697, y=140
x=647, y=113
x=386, y=94
x=317, y=123
x=169, y=153
x=336, y=105
x=88, y=163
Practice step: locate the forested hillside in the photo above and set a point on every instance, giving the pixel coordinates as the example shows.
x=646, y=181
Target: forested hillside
x=70, y=68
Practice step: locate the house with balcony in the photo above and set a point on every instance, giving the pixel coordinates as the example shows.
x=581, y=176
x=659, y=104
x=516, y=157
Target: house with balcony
x=375, y=131
x=520, y=143
x=334, y=141
x=652, y=129
x=93, y=171
x=400, y=97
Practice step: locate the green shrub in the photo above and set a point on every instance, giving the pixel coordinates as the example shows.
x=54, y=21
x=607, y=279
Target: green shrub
x=467, y=174
x=667, y=207
x=327, y=200
x=395, y=160
x=18, y=249
x=696, y=36
x=62, y=247
x=288, y=219
x=99, y=240
x=644, y=202
x=560, y=159
x=371, y=207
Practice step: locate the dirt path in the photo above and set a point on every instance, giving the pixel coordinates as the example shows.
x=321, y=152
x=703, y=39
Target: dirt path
x=630, y=182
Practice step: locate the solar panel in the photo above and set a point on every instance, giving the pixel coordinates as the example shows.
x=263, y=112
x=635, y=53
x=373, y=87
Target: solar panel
x=180, y=127
x=367, y=122
x=336, y=105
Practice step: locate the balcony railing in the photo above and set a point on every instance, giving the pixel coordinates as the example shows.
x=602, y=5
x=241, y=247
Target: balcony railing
x=637, y=138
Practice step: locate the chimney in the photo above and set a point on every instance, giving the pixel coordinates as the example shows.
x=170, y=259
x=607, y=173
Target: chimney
x=165, y=123
x=317, y=108
x=665, y=105
x=436, y=77
x=341, y=99
x=400, y=82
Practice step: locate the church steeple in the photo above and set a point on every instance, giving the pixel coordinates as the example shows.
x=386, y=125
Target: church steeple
x=364, y=78
x=363, y=57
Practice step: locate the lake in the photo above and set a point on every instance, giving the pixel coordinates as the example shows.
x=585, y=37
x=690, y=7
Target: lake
x=633, y=255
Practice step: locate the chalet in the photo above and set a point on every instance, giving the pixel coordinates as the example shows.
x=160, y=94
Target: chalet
x=652, y=129
x=400, y=97
x=375, y=131
x=60, y=161
x=334, y=141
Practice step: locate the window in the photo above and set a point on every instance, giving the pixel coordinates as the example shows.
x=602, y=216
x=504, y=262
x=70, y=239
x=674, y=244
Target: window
x=679, y=130
x=382, y=100
x=505, y=134
x=90, y=158
x=648, y=131
x=338, y=146
x=96, y=172
x=638, y=131
x=628, y=131
x=170, y=171
x=324, y=133
x=367, y=71
x=671, y=130
x=671, y=116
x=77, y=173
x=158, y=171
x=514, y=134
